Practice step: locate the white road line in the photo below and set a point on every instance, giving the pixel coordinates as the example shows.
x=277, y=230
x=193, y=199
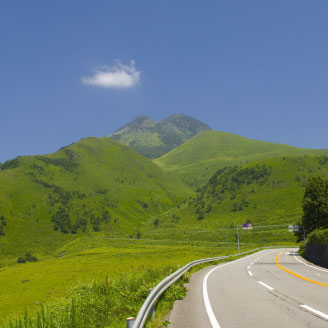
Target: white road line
x=311, y=266
x=265, y=285
x=248, y=267
x=207, y=302
x=321, y=314
x=250, y=273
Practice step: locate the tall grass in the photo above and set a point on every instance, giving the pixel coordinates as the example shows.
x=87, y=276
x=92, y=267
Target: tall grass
x=98, y=304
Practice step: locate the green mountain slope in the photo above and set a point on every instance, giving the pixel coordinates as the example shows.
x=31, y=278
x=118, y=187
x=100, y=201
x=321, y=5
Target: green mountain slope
x=197, y=159
x=152, y=139
x=265, y=191
x=96, y=184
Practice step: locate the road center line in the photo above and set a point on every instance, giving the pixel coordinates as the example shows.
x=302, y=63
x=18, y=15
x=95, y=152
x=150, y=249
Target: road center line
x=250, y=273
x=265, y=285
x=321, y=314
x=207, y=302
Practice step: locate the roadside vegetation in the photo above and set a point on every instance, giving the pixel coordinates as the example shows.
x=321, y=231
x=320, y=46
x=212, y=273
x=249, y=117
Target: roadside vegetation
x=315, y=212
x=114, y=295
x=318, y=237
x=85, y=260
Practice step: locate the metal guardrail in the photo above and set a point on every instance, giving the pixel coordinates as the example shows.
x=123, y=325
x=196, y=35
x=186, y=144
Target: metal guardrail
x=171, y=279
x=167, y=282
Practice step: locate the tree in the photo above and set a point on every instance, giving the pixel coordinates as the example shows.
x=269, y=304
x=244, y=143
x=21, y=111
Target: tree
x=156, y=222
x=315, y=204
x=106, y=216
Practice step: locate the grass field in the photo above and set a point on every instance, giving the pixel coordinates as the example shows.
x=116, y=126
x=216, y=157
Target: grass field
x=86, y=259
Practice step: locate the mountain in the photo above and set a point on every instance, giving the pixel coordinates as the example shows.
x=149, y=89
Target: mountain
x=94, y=185
x=153, y=139
x=197, y=159
x=265, y=191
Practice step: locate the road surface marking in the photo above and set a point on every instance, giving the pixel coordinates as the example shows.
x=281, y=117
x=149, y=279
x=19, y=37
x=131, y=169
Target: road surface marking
x=265, y=285
x=248, y=267
x=207, y=302
x=311, y=266
x=295, y=274
x=250, y=273
x=321, y=314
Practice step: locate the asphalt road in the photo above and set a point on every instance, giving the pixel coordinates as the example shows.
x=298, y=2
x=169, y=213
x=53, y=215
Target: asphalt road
x=261, y=290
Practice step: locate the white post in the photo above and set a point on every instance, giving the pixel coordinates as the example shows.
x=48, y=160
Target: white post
x=129, y=322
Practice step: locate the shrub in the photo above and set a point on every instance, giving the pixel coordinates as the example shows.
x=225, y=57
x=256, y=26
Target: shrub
x=319, y=236
x=21, y=259
x=156, y=222
x=27, y=258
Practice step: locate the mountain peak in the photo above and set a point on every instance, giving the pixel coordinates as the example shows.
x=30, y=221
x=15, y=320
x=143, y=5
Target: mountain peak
x=152, y=139
x=187, y=122
x=142, y=122
x=139, y=123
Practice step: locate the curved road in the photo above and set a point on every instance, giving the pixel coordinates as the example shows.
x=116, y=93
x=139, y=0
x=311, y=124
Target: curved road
x=271, y=288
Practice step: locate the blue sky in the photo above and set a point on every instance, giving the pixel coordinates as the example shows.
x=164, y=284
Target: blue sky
x=256, y=68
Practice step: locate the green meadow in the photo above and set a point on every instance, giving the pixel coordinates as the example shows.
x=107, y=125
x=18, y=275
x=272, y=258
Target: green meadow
x=53, y=279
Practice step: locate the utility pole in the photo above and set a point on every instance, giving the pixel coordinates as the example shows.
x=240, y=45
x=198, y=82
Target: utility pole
x=238, y=238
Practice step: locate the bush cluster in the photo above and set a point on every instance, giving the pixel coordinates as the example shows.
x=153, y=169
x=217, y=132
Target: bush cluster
x=319, y=236
x=27, y=258
x=2, y=224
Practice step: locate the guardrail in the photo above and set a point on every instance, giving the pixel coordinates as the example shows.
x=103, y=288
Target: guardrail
x=171, y=279
x=165, y=284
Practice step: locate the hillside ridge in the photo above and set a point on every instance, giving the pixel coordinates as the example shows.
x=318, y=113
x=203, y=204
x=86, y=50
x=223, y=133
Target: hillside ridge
x=196, y=160
x=96, y=185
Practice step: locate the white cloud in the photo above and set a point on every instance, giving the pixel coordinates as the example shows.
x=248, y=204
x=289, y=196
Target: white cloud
x=118, y=77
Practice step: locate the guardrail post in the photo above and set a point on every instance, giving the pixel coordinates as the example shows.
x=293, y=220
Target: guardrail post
x=129, y=322
x=152, y=310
